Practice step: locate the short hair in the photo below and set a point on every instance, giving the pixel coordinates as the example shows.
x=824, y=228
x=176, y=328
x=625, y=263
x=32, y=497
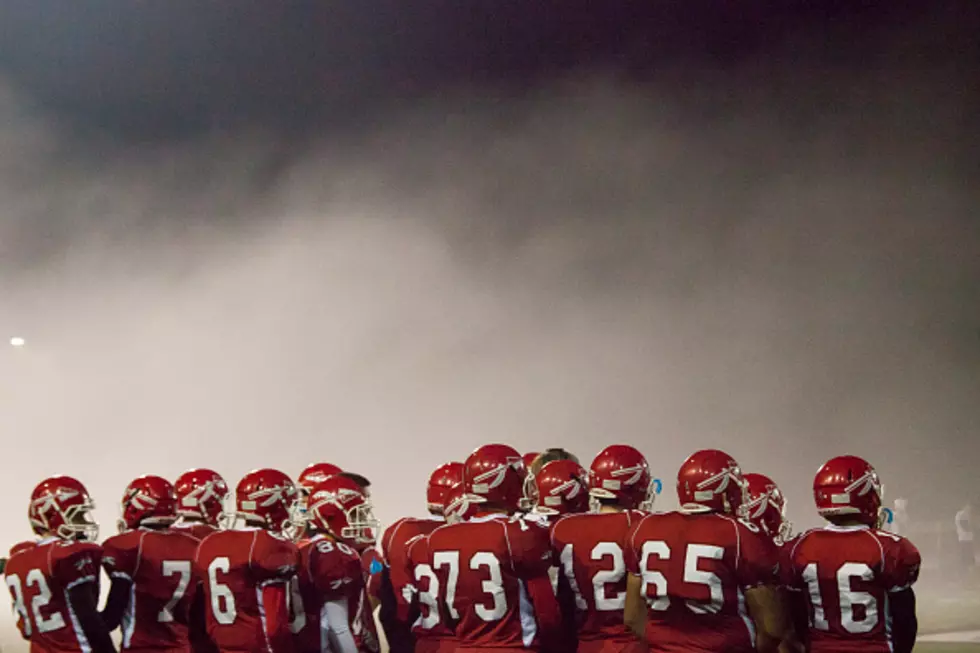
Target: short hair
x=548, y=455
x=357, y=478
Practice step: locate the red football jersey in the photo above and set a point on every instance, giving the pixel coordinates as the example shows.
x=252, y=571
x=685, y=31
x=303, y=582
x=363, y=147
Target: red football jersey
x=197, y=530
x=430, y=629
x=394, y=552
x=159, y=565
x=39, y=580
x=695, y=568
x=846, y=575
x=588, y=549
x=481, y=566
x=234, y=566
x=329, y=571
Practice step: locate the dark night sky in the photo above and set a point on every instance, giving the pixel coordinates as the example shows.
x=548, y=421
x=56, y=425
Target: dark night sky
x=147, y=69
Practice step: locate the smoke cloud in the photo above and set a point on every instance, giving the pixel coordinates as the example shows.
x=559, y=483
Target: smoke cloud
x=781, y=265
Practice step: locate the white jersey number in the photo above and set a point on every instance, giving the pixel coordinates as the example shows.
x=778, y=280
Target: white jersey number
x=846, y=575
x=601, y=580
x=493, y=585
x=182, y=569
x=43, y=624
x=693, y=574
x=222, y=598
x=429, y=614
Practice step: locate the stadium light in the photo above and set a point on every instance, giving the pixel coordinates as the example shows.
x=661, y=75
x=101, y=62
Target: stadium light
x=17, y=341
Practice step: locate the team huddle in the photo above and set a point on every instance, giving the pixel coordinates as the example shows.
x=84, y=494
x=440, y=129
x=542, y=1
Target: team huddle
x=528, y=552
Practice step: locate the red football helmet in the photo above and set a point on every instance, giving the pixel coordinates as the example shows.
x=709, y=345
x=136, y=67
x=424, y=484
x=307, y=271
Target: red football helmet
x=148, y=500
x=766, y=507
x=848, y=485
x=338, y=505
x=459, y=505
x=440, y=482
x=711, y=480
x=61, y=506
x=201, y=495
x=308, y=478
x=315, y=473
x=562, y=487
x=621, y=473
x=20, y=547
x=265, y=497
x=494, y=473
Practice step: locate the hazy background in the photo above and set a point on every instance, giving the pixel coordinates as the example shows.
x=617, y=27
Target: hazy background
x=267, y=236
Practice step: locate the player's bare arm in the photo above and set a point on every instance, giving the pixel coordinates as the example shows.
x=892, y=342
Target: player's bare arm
x=635, y=612
x=773, y=624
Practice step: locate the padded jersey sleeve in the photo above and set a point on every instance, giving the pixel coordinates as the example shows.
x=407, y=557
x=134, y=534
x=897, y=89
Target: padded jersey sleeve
x=758, y=561
x=75, y=563
x=273, y=558
x=902, y=562
x=120, y=555
x=530, y=548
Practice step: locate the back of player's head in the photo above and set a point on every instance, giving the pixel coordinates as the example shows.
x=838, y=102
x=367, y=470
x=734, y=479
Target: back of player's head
x=148, y=501
x=201, y=495
x=440, y=482
x=494, y=474
x=711, y=481
x=562, y=488
x=847, y=489
x=549, y=455
x=265, y=497
x=61, y=506
x=339, y=506
x=620, y=476
x=361, y=480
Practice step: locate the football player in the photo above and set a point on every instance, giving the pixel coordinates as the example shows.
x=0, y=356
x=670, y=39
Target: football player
x=589, y=550
x=701, y=579
x=245, y=571
x=853, y=580
x=365, y=628
x=200, y=501
x=149, y=565
x=492, y=569
x=54, y=585
x=430, y=631
x=765, y=508
x=398, y=581
x=330, y=580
